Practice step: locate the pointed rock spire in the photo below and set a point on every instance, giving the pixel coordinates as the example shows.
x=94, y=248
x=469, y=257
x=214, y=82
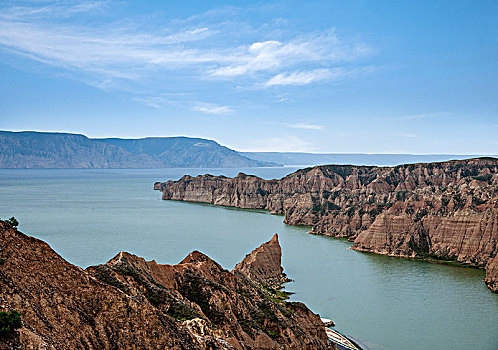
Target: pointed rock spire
x=264, y=265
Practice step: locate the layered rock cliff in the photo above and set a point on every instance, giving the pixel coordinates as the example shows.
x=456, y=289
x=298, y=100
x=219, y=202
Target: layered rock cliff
x=130, y=303
x=446, y=210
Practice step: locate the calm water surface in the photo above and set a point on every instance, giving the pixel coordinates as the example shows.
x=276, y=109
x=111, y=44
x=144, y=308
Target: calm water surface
x=88, y=216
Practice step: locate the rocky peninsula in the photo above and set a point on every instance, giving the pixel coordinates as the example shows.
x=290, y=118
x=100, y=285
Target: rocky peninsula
x=131, y=303
x=445, y=211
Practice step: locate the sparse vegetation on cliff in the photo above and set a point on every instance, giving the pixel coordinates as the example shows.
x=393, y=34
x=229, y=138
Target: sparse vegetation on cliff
x=13, y=222
x=9, y=321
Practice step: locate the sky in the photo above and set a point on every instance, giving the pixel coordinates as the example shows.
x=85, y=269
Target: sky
x=332, y=76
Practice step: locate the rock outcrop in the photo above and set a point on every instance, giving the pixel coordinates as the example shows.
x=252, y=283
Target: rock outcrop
x=130, y=303
x=446, y=211
x=263, y=265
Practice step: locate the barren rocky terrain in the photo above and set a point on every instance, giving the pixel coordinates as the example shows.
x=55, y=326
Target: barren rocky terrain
x=131, y=303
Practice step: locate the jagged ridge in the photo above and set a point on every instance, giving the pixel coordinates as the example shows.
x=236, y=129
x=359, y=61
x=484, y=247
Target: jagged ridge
x=130, y=303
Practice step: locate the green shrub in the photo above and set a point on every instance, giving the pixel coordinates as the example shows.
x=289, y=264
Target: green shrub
x=296, y=304
x=195, y=288
x=13, y=222
x=103, y=274
x=262, y=192
x=181, y=311
x=9, y=321
x=273, y=334
x=484, y=178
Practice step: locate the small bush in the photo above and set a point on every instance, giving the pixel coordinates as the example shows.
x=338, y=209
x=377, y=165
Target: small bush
x=296, y=304
x=13, y=222
x=484, y=178
x=181, y=311
x=273, y=334
x=9, y=321
x=262, y=192
x=103, y=274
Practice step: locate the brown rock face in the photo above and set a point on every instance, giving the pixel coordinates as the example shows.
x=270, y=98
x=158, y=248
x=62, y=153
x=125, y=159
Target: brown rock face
x=492, y=274
x=445, y=210
x=130, y=303
x=63, y=307
x=264, y=265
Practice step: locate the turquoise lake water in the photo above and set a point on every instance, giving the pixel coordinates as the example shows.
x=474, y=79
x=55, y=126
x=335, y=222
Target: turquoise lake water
x=88, y=216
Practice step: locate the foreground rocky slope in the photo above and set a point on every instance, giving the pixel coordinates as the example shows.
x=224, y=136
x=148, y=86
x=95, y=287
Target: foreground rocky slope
x=130, y=303
x=446, y=211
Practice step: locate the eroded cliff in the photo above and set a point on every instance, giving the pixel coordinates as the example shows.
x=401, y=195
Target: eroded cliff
x=130, y=303
x=446, y=210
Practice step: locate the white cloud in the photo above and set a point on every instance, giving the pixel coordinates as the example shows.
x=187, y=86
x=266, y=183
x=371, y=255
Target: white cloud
x=305, y=126
x=301, y=78
x=319, y=48
x=189, y=35
x=50, y=9
x=323, y=74
x=113, y=53
x=114, y=49
x=426, y=115
x=135, y=56
x=211, y=108
x=260, y=56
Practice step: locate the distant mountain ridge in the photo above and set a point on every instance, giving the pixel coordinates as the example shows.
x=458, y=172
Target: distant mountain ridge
x=30, y=149
x=381, y=159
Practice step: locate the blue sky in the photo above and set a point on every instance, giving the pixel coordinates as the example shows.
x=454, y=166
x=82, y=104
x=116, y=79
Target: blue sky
x=315, y=76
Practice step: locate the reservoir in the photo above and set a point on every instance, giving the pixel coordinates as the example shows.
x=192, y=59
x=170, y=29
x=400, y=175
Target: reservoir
x=386, y=303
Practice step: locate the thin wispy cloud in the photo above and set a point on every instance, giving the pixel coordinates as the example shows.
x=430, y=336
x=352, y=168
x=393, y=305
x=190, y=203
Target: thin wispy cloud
x=300, y=78
x=426, y=116
x=323, y=48
x=112, y=54
x=210, y=108
x=405, y=135
x=132, y=55
x=317, y=75
x=305, y=126
x=49, y=9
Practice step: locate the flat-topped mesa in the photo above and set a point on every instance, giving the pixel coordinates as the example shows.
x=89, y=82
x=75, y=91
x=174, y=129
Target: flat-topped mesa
x=264, y=265
x=133, y=303
x=446, y=210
